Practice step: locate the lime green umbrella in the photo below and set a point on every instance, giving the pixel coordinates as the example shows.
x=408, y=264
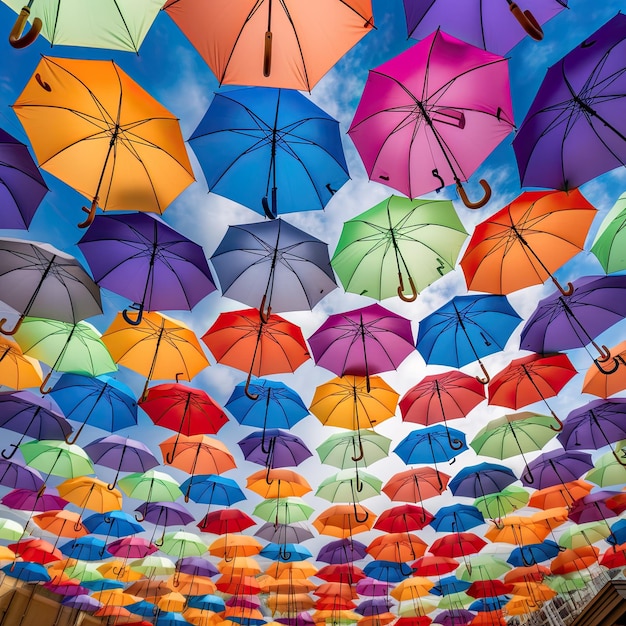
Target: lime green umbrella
x=109, y=24
x=610, y=242
x=607, y=471
x=340, y=449
x=11, y=530
x=497, y=505
x=65, y=347
x=283, y=510
x=57, y=458
x=482, y=567
x=84, y=571
x=586, y=534
x=349, y=486
x=153, y=565
x=455, y=600
x=398, y=247
x=150, y=486
x=567, y=584
x=182, y=543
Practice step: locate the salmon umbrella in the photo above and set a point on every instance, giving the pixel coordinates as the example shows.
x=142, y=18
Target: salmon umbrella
x=524, y=243
x=61, y=523
x=158, y=347
x=275, y=45
x=416, y=485
x=129, y=146
x=344, y=520
x=602, y=384
x=255, y=344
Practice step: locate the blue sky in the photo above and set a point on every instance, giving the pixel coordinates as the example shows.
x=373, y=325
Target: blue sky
x=174, y=73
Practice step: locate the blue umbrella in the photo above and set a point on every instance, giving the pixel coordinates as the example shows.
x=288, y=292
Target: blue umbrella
x=286, y=552
x=112, y=524
x=466, y=329
x=531, y=554
x=86, y=548
x=103, y=584
x=618, y=533
x=169, y=618
x=207, y=602
x=448, y=585
x=102, y=401
x=212, y=489
x=431, y=445
x=388, y=571
x=489, y=604
x=457, y=518
x=476, y=481
x=142, y=608
x=272, y=150
x=27, y=572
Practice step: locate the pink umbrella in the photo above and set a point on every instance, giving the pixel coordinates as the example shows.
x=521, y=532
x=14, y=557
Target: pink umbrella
x=431, y=115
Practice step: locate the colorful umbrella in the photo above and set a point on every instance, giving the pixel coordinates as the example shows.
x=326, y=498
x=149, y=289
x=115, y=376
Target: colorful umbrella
x=608, y=243
x=274, y=448
x=482, y=479
x=90, y=493
x=416, y=485
x=398, y=240
x=344, y=520
x=603, y=384
x=150, y=486
x=18, y=371
x=57, y=458
x=557, y=468
x=340, y=449
x=274, y=151
x=225, y=521
x=457, y=517
x=560, y=494
x=131, y=144
x=496, y=505
x=431, y=445
x=424, y=121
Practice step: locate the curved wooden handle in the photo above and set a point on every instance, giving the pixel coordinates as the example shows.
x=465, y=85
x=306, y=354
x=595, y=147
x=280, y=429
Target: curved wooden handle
x=480, y=203
x=559, y=424
x=527, y=22
x=565, y=291
x=413, y=295
x=19, y=40
x=91, y=213
x=4, y=331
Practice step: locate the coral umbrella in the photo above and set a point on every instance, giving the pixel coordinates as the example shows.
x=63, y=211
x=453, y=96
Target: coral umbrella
x=278, y=483
x=605, y=384
x=36, y=551
x=344, y=520
x=61, y=523
x=416, y=485
x=255, y=344
x=129, y=145
x=17, y=370
x=423, y=121
x=560, y=494
x=277, y=46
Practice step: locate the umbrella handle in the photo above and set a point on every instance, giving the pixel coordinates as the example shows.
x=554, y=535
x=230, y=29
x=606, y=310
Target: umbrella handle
x=141, y=517
x=3, y=321
x=91, y=213
x=267, y=54
x=526, y=563
x=360, y=455
x=10, y=455
x=78, y=526
x=71, y=440
x=270, y=211
x=528, y=475
x=605, y=353
x=130, y=320
x=19, y=40
x=479, y=203
x=44, y=382
x=566, y=292
x=559, y=426
x=527, y=21
x=283, y=554
x=252, y=396
x=442, y=183
x=616, y=361
x=265, y=316
x=356, y=515
x=413, y=295
x=618, y=459
x=487, y=378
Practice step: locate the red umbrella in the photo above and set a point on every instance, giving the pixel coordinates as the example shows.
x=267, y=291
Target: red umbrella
x=36, y=551
x=431, y=565
x=615, y=556
x=488, y=588
x=224, y=521
x=341, y=572
x=457, y=544
x=403, y=518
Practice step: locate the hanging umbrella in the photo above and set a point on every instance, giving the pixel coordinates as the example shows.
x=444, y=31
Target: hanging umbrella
x=296, y=532
x=342, y=551
x=576, y=111
x=15, y=474
x=478, y=480
x=603, y=384
x=163, y=513
x=431, y=445
x=158, y=347
x=254, y=45
x=524, y=243
x=560, y=494
x=570, y=561
x=607, y=471
x=489, y=25
x=213, y=489
x=340, y=449
x=466, y=329
x=482, y=567
x=416, y=485
x=457, y=544
x=397, y=547
x=65, y=347
x=140, y=257
x=112, y=524
x=585, y=534
x=404, y=517
x=278, y=153
x=57, y=458
x=278, y=483
x=283, y=510
x=130, y=142
x=18, y=371
x=398, y=240
x=348, y=486
x=274, y=448
x=87, y=548
x=225, y=521
x=150, y=486
x=557, y=468
x=229, y=547
x=61, y=523
x=344, y=520
x=457, y=517
x=608, y=243
x=424, y=121
x=90, y=493
x=249, y=342
x=496, y=505
x=30, y=500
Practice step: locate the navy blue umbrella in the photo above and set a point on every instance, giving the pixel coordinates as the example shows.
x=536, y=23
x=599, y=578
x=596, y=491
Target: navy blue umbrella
x=476, y=481
x=531, y=554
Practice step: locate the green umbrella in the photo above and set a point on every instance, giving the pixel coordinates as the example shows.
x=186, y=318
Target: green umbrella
x=10, y=530
x=397, y=245
x=567, y=584
x=349, y=486
x=482, y=567
x=499, y=504
x=455, y=600
x=607, y=471
x=150, y=486
x=153, y=565
x=610, y=243
x=57, y=458
x=283, y=510
x=586, y=534
x=181, y=544
x=84, y=571
x=74, y=348
x=340, y=449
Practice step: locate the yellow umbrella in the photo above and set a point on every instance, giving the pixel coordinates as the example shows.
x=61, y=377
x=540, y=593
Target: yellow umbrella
x=17, y=370
x=159, y=347
x=90, y=493
x=278, y=483
x=118, y=570
x=410, y=588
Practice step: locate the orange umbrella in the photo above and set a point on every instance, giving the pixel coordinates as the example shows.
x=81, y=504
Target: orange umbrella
x=200, y=617
x=158, y=347
x=190, y=585
x=382, y=619
x=17, y=370
x=601, y=384
x=410, y=588
x=118, y=570
x=61, y=523
x=230, y=546
x=112, y=141
x=344, y=520
x=256, y=344
x=278, y=483
x=339, y=589
x=559, y=495
x=289, y=44
x=574, y=560
x=295, y=569
x=290, y=602
x=239, y=566
x=397, y=547
x=115, y=597
x=291, y=585
x=172, y=601
x=526, y=241
x=90, y=493
x=416, y=485
x=530, y=573
x=518, y=530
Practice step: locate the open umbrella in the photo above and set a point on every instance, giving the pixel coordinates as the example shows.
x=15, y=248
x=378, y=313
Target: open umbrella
x=424, y=120
x=129, y=144
x=150, y=486
x=431, y=445
x=274, y=45
x=143, y=259
x=17, y=370
x=605, y=384
x=274, y=151
x=398, y=240
x=274, y=448
x=577, y=111
x=557, y=468
x=609, y=241
x=416, y=485
x=482, y=479
x=340, y=449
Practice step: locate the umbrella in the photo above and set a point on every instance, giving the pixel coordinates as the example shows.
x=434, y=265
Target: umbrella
x=466, y=329
x=57, y=458
x=490, y=25
x=115, y=26
x=18, y=371
x=30, y=500
x=482, y=479
x=87, y=548
x=278, y=153
x=274, y=448
x=340, y=449
x=254, y=45
x=213, y=489
x=424, y=120
x=398, y=240
x=140, y=257
x=362, y=342
x=38, y=280
x=457, y=517
x=14, y=474
x=570, y=561
x=508, y=499
x=404, y=517
x=255, y=344
x=158, y=347
x=22, y=187
x=607, y=471
x=344, y=520
x=431, y=445
x=557, y=468
x=108, y=403
x=416, y=485
x=586, y=533
x=342, y=551
x=296, y=532
x=482, y=567
x=457, y=544
x=524, y=243
x=150, y=486
x=603, y=384
x=562, y=322
x=131, y=143
x=164, y=513
x=65, y=347
x=283, y=510
x=576, y=111
x=349, y=486
x=560, y=494
x=223, y=521
x=608, y=243
x=90, y=493
x=112, y=524
x=397, y=547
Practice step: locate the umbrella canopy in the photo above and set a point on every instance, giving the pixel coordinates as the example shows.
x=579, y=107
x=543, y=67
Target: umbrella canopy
x=254, y=45
x=274, y=151
x=150, y=486
x=457, y=517
x=576, y=111
x=609, y=239
x=416, y=485
x=423, y=108
x=90, y=493
x=557, y=468
x=603, y=384
x=57, y=458
x=17, y=370
x=431, y=445
x=398, y=240
x=478, y=480
x=341, y=449
x=274, y=448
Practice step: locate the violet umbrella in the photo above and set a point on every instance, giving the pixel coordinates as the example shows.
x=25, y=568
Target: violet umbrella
x=15, y=474
x=556, y=468
x=274, y=448
x=593, y=507
x=430, y=116
x=342, y=551
x=577, y=111
x=477, y=481
x=31, y=500
x=140, y=257
x=22, y=187
x=163, y=513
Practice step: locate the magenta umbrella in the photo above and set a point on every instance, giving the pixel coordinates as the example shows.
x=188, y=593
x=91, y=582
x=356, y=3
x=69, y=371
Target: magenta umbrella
x=431, y=115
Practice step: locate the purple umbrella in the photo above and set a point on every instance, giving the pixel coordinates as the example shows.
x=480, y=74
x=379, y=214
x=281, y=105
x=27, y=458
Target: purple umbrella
x=131, y=548
x=371, y=587
x=556, y=468
x=595, y=425
x=140, y=257
x=83, y=602
x=575, y=129
x=121, y=454
x=196, y=566
x=21, y=186
x=296, y=532
x=274, y=448
x=342, y=551
x=562, y=322
x=163, y=513
x=362, y=342
x=592, y=507
x=301, y=619
x=29, y=500
x=31, y=416
x=374, y=606
x=15, y=475
x=454, y=617
x=68, y=590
